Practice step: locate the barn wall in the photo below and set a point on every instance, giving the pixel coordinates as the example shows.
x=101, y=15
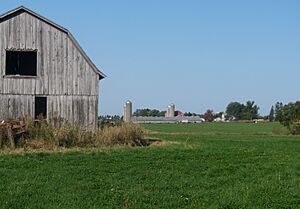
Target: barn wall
x=63, y=74
x=62, y=70
x=15, y=106
x=76, y=110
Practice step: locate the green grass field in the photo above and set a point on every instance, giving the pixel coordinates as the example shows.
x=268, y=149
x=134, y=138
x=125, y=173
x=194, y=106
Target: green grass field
x=209, y=166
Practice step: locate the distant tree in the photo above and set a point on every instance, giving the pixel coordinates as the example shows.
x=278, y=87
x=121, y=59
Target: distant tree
x=235, y=110
x=154, y=113
x=250, y=111
x=289, y=116
x=148, y=113
x=162, y=113
x=209, y=115
x=188, y=114
x=272, y=114
x=278, y=111
x=239, y=111
x=140, y=112
x=218, y=115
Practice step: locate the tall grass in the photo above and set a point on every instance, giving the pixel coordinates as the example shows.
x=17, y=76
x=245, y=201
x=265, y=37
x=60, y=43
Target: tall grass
x=43, y=135
x=128, y=134
x=4, y=138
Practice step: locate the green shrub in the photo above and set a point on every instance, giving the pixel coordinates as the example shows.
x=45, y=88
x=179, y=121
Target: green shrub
x=289, y=116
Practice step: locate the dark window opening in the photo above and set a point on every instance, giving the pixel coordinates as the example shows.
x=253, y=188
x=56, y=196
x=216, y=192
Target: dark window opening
x=40, y=107
x=21, y=63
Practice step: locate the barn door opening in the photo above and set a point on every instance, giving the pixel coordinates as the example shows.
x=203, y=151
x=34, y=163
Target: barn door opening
x=40, y=107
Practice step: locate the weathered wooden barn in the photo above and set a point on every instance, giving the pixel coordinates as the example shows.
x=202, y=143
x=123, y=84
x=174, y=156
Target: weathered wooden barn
x=45, y=71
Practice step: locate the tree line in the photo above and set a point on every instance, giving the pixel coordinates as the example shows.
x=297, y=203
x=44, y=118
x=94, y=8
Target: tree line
x=149, y=113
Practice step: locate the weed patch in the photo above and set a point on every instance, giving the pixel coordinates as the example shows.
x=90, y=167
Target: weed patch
x=42, y=135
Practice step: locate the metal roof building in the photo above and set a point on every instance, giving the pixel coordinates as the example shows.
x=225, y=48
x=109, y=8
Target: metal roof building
x=178, y=119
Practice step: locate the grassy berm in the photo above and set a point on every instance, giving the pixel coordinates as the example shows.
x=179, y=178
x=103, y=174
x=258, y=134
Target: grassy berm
x=197, y=166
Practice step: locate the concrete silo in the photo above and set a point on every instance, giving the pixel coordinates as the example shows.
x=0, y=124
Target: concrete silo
x=127, y=111
x=170, y=111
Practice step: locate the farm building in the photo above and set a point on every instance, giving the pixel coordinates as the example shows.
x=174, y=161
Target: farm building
x=45, y=72
x=169, y=117
x=161, y=120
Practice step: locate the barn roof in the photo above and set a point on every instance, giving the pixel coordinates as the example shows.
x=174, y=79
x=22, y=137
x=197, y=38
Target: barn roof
x=22, y=9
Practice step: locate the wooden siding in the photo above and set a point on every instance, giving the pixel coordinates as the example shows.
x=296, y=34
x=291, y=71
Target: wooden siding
x=77, y=110
x=63, y=74
x=62, y=70
x=14, y=106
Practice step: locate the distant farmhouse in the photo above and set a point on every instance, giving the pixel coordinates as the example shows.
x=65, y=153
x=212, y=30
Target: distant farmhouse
x=169, y=117
x=44, y=71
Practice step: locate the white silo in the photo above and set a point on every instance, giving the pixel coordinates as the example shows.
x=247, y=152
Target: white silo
x=127, y=111
x=168, y=111
x=172, y=110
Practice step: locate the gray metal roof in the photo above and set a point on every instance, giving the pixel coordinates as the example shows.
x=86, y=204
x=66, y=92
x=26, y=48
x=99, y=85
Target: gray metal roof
x=191, y=119
x=22, y=9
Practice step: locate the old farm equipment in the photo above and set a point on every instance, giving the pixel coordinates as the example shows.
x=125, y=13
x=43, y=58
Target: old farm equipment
x=12, y=131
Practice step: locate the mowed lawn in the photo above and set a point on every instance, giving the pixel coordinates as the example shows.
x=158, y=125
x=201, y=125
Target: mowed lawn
x=217, y=165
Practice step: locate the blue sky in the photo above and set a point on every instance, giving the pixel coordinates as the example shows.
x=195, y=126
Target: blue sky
x=196, y=54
